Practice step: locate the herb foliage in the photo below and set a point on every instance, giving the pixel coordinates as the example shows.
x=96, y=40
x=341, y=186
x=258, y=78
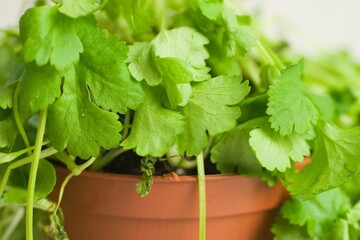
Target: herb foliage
x=83, y=78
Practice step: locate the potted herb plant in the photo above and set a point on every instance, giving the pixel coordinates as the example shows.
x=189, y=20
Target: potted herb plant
x=162, y=86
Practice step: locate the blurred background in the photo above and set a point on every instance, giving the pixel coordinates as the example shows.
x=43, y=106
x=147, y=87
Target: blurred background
x=309, y=25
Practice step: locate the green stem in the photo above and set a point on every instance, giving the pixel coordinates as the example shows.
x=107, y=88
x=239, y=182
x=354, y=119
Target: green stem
x=208, y=147
x=64, y=158
x=202, y=196
x=33, y=173
x=107, y=158
x=125, y=132
x=17, y=116
x=14, y=155
x=270, y=57
x=75, y=172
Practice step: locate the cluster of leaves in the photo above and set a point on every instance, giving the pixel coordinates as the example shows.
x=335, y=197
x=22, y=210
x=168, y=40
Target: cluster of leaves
x=175, y=71
x=333, y=214
x=287, y=125
x=329, y=215
x=84, y=78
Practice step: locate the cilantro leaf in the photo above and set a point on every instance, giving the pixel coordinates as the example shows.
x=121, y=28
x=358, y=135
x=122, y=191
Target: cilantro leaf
x=174, y=69
x=8, y=129
x=45, y=182
x=106, y=73
x=134, y=13
x=36, y=79
x=275, y=151
x=211, y=9
x=78, y=8
x=142, y=66
x=184, y=43
x=229, y=33
x=284, y=230
x=154, y=128
x=239, y=38
x=10, y=72
x=176, y=55
x=49, y=36
x=320, y=214
x=290, y=107
x=211, y=109
x=233, y=152
x=6, y=94
x=334, y=160
x=85, y=127
x=173, y=59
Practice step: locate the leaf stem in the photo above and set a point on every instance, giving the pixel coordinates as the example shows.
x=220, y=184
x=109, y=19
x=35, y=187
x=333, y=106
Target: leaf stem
x=125, y=132
x=208, y=147
x=75, y=172
x=17, y=116
x=33, y=173
x=107, y=158
x=8, y=157
x=269, y=56
x=202, y=196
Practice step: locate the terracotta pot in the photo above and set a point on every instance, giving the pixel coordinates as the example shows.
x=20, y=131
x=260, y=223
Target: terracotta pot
x=107, y=207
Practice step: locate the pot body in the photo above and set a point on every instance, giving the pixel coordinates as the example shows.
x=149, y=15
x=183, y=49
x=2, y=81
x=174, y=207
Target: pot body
x=106, y=206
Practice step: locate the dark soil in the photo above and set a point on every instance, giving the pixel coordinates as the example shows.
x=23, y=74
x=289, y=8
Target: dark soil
x=129, y=163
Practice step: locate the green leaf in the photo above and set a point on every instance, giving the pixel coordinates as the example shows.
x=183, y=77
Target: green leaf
x=211, y=109
x=283, y=230
x=290, y=107
x=253, y=107
x=334, y=160
x=8, y=129
x=10, y=71
x=211, y=9
x=340, y=230
x=154, y=128
x=239, y=38
x=45, y=182
x=184, y=43
x=176, y=55
x=134, y=13
x=7, y=65
x=142, y=66
x=317, y=214
x=174, y=69
x=177, y=94
x=103, y=66
x=353, y=216
x=229, y=33
x=78, y=8
x=40, y=87
x=7, y=95
x=49, y=36
x=84, y=126
x=234, y=153
x=275, y=151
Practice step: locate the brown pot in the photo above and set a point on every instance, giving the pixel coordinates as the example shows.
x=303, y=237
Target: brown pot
x=107, y=207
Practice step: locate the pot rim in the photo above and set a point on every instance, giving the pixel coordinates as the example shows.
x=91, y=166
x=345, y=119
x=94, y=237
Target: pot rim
x=162, y=178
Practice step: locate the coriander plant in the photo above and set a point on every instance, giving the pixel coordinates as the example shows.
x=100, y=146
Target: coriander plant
x=85, y=81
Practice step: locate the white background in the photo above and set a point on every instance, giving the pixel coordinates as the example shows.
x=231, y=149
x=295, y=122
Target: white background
x=309, y=25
